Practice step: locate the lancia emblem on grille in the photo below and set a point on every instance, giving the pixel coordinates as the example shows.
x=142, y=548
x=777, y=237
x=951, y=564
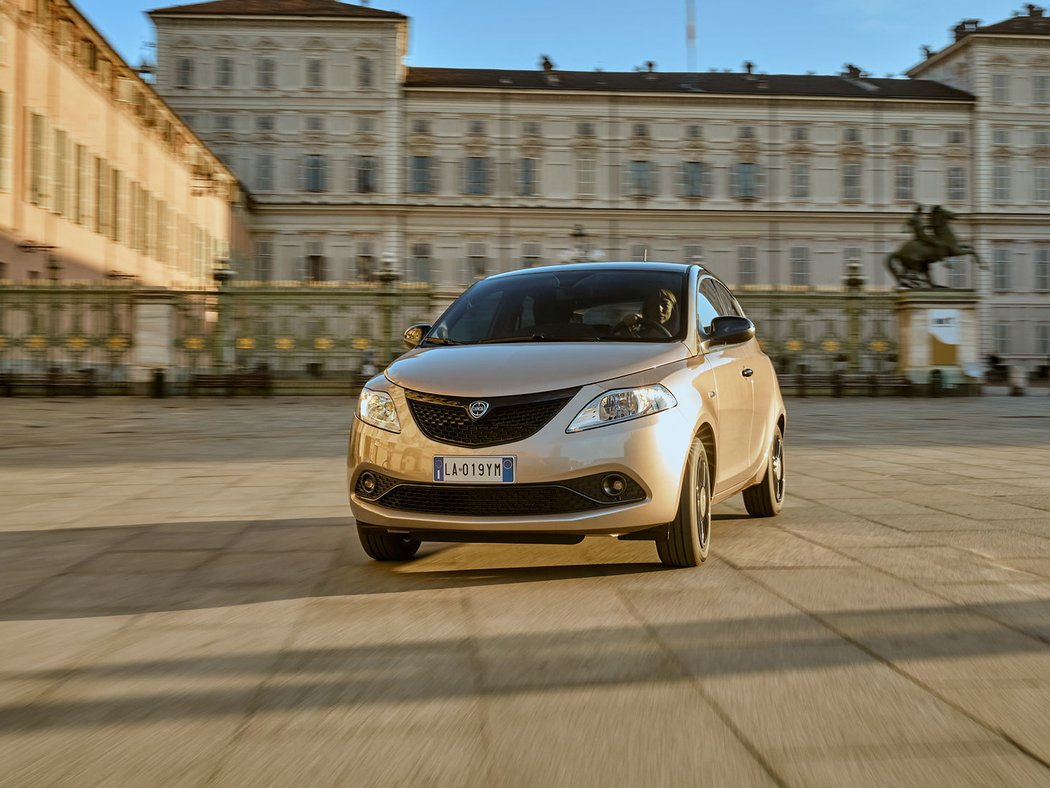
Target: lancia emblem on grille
x=477, y=409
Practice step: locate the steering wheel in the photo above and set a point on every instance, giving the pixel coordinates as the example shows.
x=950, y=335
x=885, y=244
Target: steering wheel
x=651, y=327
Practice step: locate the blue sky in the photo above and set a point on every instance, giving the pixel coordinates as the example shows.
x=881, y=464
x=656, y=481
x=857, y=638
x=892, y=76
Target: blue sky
x=780, y=36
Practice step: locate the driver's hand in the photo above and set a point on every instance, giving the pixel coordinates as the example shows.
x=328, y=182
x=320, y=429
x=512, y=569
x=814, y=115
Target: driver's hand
x=632, y=320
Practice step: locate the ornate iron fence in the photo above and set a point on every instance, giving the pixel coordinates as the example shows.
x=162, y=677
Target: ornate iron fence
x=824, y=329
x=68, y=326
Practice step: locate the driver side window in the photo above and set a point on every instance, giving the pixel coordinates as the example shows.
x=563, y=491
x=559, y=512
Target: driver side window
x=706, y=311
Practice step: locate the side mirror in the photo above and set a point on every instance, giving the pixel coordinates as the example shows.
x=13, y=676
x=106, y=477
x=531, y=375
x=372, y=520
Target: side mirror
x=729, y=330
x=414, y=334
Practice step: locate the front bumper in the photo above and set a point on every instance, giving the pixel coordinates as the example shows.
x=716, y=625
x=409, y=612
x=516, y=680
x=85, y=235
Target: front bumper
x=650, y=451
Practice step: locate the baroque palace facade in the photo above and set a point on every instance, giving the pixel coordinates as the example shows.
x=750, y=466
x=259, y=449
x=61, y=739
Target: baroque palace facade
x=98, y=176
x=356, y=162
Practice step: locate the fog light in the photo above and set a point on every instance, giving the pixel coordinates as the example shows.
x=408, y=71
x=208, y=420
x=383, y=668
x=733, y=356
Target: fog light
x=614, y=485
x=368, y=482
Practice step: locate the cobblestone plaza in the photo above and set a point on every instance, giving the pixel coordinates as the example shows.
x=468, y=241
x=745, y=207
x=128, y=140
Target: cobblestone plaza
x=183, y=601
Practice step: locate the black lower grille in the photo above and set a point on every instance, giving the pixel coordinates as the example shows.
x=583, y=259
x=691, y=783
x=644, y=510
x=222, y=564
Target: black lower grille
x=487, y=500
x=508, y=419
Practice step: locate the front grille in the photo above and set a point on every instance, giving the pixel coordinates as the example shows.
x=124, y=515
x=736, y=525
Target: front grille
x=509, y=419
x=504, y=500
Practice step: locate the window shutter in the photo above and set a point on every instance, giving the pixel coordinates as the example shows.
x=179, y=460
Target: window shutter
x=653, y=179
x=490, y=175
x=683, y=179
x=760, y=181
x=706, y=181
x=626, y=170
x=433, y=175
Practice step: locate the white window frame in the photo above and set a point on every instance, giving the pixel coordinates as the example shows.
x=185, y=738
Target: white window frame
x=799, y=180
x=852, y=181
x=799, y=261
x=904, y=182
x=1001, y=273
x=747, y=265
x=955, y=185
x=586, y=172
x=1001, y=182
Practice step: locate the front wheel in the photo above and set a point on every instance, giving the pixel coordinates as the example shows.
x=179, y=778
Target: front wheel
x=766, y=498
x=381, y=546
x=689, y=534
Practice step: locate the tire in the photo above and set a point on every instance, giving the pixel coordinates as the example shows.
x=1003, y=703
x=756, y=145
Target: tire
x=766, y=498
x=689, y=534
x=381, y=546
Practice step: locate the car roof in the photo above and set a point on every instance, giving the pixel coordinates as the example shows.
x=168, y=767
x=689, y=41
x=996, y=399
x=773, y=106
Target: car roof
x=604, y=266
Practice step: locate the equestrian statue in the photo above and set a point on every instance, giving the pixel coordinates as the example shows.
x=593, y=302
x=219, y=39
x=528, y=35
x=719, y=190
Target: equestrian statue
x=932, y=242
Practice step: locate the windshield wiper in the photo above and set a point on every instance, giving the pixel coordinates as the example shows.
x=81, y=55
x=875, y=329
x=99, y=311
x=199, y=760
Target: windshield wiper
x=536, y=338
x=439, y=341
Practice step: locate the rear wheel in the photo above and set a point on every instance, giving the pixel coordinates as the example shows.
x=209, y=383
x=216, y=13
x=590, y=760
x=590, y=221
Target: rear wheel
x=386, y=547
x=689, y=534
x=766, y=498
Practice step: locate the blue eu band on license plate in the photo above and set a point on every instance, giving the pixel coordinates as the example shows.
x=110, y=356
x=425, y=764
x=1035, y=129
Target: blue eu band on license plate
x=486, y=470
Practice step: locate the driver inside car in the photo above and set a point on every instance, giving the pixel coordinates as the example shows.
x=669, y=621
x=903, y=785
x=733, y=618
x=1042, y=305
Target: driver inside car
x=655, y=321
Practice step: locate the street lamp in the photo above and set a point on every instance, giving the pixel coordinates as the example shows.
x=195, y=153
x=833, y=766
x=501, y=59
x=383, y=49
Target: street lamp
x=387, y=291
x=222, y=274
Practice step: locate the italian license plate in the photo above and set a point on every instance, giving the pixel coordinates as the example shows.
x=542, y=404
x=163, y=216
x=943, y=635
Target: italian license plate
x=486, y=470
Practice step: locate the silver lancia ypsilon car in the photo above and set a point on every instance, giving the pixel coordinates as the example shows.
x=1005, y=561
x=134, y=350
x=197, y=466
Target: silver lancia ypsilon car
x=554, y=403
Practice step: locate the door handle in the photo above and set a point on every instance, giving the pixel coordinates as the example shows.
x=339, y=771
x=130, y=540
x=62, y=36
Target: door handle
x=748, y=372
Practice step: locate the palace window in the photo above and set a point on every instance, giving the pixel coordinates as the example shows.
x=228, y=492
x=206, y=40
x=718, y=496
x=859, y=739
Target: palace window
x=1000, y=88
x=799, y=134
x=1001, y=269
x=366, y=261
x=746, y=180
x=851, y=181
x=1002, y=339
x=640, y=130
x=264, y=172
x=183, y=72
x=1042, y=268
x=367, y=180
x=641, y=179
x=1001, y=182
x=585, y=176
x=851, y=135
x=366, y=124
x=956, y=178
x=904, y=182
x=420, y=263
x=693, y=253
x=264, y=123
x=532, y=128
x=1042, y=138
x=956, y=137
x=224, y=72
x=314, y=173
x=476, y=175
x=314, y=73
x=905, y=136
x=696, y=179
x=1042, y=339
x=1041, y=177
x=266, y=72
x=316, y=264
x=585, y=129
x=1000, y=136
x=1041, y=88
x=531, y=255
x=639, y=253
x=694, y=131
x=420, y=126
x=799, y=180
x=746, y=265
x=224, y=122
x=799, y=259
x=527, y=177
x=421, y=175
x=314, y=123
x=263, y=261
x=365, y=74
x=477, y=261
x=476, y=127
x=745, y=133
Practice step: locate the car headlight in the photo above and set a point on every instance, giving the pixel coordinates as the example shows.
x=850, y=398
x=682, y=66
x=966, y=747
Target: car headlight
x=622, y=405
x=376, y=408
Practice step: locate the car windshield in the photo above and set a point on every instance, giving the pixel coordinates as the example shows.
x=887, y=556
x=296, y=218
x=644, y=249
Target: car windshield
x=552, y=305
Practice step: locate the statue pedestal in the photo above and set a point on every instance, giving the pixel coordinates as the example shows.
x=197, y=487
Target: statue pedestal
x=938, y=341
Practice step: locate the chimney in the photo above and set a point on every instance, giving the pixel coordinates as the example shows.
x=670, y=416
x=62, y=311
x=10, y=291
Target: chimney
x=965, y=27
x=1034, y=10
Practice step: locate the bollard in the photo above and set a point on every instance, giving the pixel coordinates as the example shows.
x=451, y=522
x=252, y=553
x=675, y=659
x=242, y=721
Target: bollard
x=158, y=389
x=836, y=383
x=1016, y=376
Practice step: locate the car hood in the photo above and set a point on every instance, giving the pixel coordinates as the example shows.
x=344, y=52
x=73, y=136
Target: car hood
x=525, y=368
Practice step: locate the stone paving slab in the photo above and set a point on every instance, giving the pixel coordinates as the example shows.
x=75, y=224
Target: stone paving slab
x=184, y=602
